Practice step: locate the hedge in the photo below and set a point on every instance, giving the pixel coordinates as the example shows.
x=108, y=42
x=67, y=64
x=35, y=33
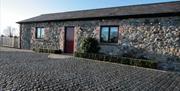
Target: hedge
x=47, y=51
x=117, y=59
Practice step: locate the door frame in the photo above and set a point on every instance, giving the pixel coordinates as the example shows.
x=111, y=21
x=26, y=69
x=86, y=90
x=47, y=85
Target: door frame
x=65, y=31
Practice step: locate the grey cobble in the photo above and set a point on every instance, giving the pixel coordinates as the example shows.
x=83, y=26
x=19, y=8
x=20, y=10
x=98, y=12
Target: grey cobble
x=35, y=71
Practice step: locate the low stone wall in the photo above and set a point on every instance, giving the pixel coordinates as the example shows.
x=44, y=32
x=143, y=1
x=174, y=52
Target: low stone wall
x=169, y=65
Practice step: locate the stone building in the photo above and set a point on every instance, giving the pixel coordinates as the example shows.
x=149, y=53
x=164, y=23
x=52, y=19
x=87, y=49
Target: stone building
x=150, y=31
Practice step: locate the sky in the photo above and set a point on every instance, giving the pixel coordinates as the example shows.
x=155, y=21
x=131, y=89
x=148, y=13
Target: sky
x=12, y=11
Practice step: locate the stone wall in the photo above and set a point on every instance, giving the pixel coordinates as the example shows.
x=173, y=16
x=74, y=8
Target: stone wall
x=25, y=30
x=151, y=38
x=54, y=34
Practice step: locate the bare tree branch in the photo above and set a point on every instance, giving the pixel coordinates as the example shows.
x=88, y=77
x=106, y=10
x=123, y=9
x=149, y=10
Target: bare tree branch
x=9, y=31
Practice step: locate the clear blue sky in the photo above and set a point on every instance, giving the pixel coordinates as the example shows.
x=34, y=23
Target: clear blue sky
x=12, y=11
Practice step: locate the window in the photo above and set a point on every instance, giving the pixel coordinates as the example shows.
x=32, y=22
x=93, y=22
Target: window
x=40, y=33
x=109, y=34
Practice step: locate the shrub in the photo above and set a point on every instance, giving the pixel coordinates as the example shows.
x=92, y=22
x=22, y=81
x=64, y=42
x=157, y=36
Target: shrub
x=57, y=51
x=117, y=59
x=47, y=51
x=89, y=45
x=2, y=36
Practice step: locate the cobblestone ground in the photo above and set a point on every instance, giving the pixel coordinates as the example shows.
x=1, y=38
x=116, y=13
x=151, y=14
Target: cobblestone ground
x=34, y=71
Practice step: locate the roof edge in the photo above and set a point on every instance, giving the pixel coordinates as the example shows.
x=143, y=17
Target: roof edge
x=159, y=3
x=114, y=17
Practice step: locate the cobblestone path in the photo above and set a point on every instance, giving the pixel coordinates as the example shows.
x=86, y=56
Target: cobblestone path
x=34, y=71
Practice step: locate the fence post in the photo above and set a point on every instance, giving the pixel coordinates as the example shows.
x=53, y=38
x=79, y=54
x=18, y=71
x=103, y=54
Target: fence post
x=1, y=41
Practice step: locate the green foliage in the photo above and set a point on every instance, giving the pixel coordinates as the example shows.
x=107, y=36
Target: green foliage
x=2, y=35
x=89, y=45
x=117, y=59
x=47, y=51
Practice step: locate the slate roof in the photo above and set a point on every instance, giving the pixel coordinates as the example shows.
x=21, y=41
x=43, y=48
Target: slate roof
x=144, y=9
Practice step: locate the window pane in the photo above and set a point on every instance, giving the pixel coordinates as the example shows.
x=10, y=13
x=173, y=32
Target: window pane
x=104, y=34
x=38, y=32
x=113, y=34
x=42, y=33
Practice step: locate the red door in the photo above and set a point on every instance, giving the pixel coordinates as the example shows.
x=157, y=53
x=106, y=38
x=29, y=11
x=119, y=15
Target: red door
x=69, y=40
